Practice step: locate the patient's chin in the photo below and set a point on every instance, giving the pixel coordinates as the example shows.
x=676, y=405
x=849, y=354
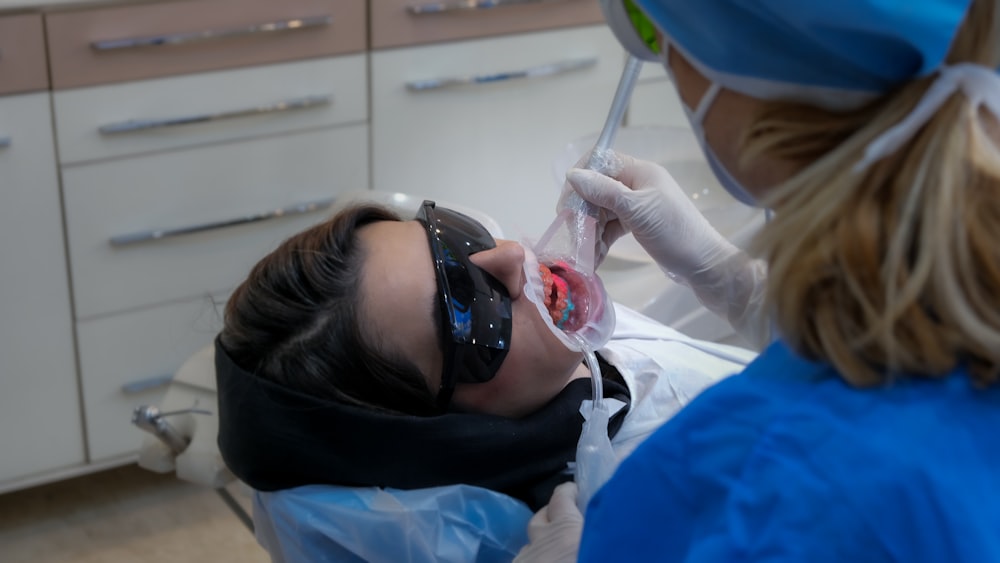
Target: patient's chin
x=528, y=379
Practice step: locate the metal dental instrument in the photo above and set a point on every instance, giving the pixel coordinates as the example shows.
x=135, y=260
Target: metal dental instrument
x=150, y=419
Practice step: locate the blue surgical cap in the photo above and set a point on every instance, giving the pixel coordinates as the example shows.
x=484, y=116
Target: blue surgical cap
x=832, y=54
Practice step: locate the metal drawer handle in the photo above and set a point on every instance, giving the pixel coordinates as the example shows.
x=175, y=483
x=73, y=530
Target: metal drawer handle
x=133, y=125
x=145, y=236
x=146, y=384
x=533, y=72
x=4, y=142
x=211, y=34
x=465, y=5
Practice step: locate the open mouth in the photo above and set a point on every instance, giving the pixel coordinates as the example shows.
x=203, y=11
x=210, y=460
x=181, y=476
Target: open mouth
x=565, y=295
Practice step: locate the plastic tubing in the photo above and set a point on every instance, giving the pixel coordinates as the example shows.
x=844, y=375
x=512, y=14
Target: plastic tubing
x=595, y=457
x=596, y=381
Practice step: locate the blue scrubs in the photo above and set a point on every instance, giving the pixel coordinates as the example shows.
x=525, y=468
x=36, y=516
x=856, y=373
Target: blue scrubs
x=786, y=462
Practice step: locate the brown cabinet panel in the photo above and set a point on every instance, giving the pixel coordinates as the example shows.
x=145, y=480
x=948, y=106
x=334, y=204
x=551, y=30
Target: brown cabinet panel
x=395, y=23
x=22, y=54
x=133, y=42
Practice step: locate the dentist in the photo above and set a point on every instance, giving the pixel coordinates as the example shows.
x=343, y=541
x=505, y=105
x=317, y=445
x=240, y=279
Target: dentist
x=869, y=430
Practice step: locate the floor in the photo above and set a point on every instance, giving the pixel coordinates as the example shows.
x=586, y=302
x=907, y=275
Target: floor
x=127, y=514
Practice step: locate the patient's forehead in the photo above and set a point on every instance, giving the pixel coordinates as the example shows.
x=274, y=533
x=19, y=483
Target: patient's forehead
x=399, y=292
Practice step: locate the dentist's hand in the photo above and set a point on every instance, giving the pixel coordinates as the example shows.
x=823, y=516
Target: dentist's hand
x=554, y=532
x=642, y=198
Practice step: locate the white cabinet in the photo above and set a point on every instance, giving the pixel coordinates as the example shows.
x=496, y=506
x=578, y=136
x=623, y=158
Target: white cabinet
x=122, y=234
x=144, y=308
x=201, y=181
x=490, y=144
x=155, y=239
x=40, y=419
x=181, y=165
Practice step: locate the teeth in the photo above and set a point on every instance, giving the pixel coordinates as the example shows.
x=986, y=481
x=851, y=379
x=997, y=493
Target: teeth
x=558, y=300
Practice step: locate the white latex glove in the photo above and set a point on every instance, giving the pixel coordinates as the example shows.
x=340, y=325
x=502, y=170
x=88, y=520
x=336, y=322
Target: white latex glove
x=554, y=531
x=641, y=197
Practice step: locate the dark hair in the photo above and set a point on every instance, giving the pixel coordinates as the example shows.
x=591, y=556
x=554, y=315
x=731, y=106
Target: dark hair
x=295, y=321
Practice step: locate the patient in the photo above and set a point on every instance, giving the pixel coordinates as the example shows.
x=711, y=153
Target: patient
x=355, y=355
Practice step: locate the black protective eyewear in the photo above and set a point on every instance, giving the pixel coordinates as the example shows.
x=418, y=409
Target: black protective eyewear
x=475, y=306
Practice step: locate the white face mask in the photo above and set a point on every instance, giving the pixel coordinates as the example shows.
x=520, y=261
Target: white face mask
x=696, y=119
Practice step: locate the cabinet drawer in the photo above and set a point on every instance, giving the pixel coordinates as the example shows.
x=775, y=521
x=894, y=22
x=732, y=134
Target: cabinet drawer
x=115, y=120
x=130, y=42
x=206, y=186
x=136, y=348
x=508, y=133
x=397, y=23
x=22, y=54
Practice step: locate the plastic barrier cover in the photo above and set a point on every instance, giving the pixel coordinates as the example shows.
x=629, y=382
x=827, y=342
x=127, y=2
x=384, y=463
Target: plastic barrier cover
x=322, y=523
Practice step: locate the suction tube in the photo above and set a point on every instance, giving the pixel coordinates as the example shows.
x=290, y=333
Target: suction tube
x=595, y=458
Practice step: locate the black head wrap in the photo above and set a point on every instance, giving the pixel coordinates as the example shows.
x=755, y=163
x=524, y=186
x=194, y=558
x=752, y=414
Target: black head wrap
x=275, y=438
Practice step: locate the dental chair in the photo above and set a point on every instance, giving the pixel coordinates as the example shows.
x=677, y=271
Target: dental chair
x=328, y=523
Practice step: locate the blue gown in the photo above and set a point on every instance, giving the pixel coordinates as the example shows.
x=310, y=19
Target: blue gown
x=786, y=462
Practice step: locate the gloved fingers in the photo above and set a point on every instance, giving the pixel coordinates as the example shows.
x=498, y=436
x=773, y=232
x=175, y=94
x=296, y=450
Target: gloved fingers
x=610, y=232
x=538, y=523
x=562, y=505
x=632, y=173
x=603, y=191
x=559, y=544
x=627, y=169
x=665, y=221
x=613, y=230
x=607, y=162
x=600, y=253
x=637, y=173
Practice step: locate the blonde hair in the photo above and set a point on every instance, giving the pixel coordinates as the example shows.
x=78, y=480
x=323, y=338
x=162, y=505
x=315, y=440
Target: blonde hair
x=896, y=269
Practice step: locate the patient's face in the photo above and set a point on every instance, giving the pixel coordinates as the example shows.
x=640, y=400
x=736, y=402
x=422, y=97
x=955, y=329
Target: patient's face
x=400, y=295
